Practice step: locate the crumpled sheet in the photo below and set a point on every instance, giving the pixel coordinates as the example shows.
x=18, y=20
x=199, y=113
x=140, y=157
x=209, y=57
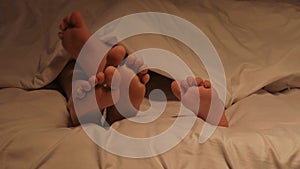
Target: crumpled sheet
x=258, y=46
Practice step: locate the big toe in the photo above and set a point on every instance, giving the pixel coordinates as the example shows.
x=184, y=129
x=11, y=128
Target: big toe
x=176, y=89
x=64, y=24
x=116, y=55
x=144, y=78
x=77, y=20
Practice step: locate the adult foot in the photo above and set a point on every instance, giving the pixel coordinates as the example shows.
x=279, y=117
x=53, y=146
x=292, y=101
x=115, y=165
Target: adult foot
x=126, y=83
x=73, y=33
x=104, y=88
x=133, y=78
x=196, y=95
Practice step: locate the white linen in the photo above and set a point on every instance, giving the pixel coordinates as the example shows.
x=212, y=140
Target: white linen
x=263, y=133
x=258, y=43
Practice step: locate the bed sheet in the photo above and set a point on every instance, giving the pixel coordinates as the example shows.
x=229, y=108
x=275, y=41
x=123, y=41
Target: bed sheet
x=257, y=41
x=264, y=130
x=263, y=133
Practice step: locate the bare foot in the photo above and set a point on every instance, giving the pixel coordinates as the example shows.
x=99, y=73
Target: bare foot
x=132, y=89
x=104, y=89
x=191, y=90
x=126, y=81
x=74, y=33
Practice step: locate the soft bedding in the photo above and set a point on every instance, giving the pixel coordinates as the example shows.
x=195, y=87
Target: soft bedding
x=264, y=136
x=258, y=44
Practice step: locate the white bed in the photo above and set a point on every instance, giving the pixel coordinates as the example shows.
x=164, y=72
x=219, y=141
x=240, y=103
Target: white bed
x=259, y=46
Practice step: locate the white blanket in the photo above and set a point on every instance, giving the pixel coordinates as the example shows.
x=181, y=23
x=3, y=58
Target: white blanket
x=258, y=44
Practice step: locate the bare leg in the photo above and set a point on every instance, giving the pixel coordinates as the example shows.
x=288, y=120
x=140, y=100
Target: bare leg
x=190, y=89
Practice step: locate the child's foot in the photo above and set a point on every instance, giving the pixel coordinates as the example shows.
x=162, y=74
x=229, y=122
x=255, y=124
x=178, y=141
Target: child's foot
x=191, y=90
x=74, y=33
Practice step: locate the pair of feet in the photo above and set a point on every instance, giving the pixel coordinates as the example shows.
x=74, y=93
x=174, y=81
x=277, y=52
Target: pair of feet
x=74, y=33
x=129, y=79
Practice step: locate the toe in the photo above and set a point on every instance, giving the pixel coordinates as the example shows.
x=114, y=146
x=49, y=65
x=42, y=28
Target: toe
x=176, y=89
x=86, y=86
x=79, y=93
x=62, y=26
x=93, y=81
x=138, y=67
x=145, y=78
x=143, y=75
x=191, y=81
x=116, y=55
x=66, y=21
x=184, y=85
x=100, y=78
x=199, y=81
x=80, y=87
x=130, y=60
x=143, y=69
x=134, y=63
x=206, y=84
x=112, y=77
x=76, y=19
x=137, y=64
